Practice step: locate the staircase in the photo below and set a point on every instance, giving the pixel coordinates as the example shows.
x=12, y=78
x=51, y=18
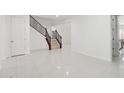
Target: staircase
x=54, y=42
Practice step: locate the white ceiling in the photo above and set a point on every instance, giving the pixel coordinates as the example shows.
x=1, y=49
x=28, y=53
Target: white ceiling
x=56, y=18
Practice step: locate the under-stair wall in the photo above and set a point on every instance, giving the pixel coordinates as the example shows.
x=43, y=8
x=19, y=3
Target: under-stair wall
x=37, y=40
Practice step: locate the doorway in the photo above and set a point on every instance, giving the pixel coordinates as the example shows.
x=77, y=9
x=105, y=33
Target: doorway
x=117, y=38
x=121, y=34
x=18, y=33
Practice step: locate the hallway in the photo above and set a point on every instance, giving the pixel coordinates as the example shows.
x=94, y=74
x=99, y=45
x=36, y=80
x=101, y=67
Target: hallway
x=59, y=64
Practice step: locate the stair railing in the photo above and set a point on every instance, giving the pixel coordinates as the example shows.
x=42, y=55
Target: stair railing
x=48, y=39
x=41, y=29
x=58, y=37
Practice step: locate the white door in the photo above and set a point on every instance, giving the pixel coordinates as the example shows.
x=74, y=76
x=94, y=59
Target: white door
x=18, y=41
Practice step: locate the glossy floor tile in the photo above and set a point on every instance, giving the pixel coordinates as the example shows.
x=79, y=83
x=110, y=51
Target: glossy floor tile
x=60, y=63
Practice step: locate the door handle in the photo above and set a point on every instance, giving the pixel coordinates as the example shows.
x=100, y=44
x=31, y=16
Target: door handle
x=11, y=41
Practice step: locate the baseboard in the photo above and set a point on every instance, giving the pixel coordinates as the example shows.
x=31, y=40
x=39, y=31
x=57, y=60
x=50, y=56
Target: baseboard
x=100, y=58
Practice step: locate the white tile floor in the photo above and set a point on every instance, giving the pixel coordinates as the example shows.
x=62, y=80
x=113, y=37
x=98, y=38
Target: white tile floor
x=59, y=64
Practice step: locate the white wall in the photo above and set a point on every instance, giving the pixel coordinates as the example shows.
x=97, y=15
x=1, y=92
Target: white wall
x=64, y=30
x=4, y=37
x=27, y=34
x=121, y=32
x=91, y=35
x=37, y=40
x=7, y=36
x=121, y=26
x=121, y=20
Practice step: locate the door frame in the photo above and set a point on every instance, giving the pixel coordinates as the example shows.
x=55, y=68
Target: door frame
x=115, y=35
x=13, y=18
